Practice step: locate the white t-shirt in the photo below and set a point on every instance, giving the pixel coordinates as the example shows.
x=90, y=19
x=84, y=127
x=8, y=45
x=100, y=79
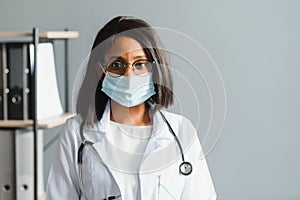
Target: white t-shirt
x=129, y=138
x=132, y=139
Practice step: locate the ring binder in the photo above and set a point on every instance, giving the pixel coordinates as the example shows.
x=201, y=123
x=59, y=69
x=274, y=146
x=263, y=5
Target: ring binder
x=17, y=62
x=1, y=84
x=7, y=168
x=24, y=164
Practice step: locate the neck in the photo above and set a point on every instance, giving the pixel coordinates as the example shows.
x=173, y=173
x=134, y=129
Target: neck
x=136, y=115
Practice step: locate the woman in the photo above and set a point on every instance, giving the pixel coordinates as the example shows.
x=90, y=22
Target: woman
x=121, y=145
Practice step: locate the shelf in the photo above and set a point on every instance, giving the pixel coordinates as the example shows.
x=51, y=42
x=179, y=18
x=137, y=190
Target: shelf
x=45, y=123
x=46, y=35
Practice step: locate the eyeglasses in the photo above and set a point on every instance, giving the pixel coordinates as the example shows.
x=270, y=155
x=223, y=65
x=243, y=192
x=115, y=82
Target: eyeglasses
x=139, y=67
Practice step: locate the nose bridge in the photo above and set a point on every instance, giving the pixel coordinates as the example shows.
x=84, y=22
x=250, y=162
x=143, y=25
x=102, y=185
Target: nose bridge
x=129, y=70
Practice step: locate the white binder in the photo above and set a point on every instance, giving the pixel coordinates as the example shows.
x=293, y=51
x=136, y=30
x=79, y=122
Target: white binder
x=24, y=164
x=7, y=169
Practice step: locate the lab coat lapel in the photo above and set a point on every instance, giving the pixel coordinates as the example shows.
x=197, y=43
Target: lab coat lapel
x=159, y=136
x=108, y=149
x=97, y=131
x=111, y=156
x=103, y=148
x=160, y=147
x=156, y=158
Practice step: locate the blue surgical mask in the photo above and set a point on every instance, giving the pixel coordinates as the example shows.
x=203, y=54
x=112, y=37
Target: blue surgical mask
x=128, y=90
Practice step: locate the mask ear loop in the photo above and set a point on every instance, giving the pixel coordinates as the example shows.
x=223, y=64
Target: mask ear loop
x=100, y=71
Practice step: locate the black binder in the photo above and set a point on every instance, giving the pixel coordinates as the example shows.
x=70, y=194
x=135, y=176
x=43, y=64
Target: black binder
x=1, y=84
x=18, y=97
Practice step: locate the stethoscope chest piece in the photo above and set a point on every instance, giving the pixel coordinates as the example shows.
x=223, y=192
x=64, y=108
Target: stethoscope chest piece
x=185, y=168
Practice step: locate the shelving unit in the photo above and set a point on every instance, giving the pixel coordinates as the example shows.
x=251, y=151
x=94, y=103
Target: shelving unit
x=34, y=123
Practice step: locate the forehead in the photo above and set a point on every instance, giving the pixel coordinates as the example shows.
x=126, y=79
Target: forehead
x=126, y=48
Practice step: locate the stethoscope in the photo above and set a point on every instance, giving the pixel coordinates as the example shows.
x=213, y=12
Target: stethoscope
x=185, y=168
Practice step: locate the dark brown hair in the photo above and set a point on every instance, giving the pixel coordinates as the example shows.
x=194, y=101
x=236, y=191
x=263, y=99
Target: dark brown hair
x=91, y=100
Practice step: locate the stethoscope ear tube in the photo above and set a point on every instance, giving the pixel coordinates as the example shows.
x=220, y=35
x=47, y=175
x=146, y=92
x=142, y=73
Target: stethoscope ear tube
x=83, y=143
x=79, y=156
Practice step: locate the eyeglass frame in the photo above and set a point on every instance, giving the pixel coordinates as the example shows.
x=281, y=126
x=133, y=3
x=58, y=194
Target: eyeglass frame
x=124, y=66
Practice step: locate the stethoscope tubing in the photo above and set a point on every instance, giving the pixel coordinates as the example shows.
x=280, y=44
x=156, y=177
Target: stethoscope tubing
x=173, y=133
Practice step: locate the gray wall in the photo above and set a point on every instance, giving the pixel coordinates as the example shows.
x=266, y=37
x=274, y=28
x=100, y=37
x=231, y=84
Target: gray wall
x=256, y=46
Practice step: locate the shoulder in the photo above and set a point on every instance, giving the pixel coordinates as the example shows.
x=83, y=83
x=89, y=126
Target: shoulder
x=73, y=124
x=70, y=135
x=74, y=121
x=72, y=129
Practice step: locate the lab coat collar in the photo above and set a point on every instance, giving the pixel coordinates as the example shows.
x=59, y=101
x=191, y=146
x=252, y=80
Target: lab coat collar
x=96, y=132
x=103, y=125
x=158, y=131
x=160, y=135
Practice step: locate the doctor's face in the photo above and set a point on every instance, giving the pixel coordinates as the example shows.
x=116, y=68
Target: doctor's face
x=126, y=57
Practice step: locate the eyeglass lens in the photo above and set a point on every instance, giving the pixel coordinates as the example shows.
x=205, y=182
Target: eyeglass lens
x=139, y=67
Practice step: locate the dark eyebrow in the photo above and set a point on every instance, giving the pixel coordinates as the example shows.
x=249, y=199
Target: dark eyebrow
x=142, y=57
x=113, y=58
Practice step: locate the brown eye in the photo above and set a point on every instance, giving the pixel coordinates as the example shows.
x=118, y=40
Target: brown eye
x=116, y=66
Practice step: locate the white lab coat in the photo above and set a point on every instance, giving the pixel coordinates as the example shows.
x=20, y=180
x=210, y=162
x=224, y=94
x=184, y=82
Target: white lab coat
x=159, y=178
